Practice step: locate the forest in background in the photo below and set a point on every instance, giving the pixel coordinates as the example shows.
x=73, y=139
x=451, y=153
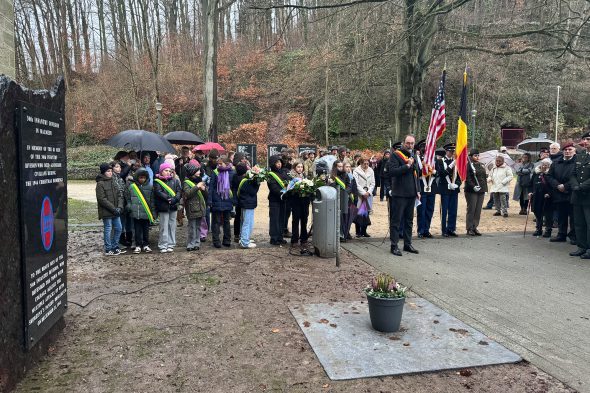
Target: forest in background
x=295, y=72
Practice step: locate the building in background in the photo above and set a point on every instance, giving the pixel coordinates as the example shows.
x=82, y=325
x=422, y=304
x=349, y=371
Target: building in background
x=7, y=57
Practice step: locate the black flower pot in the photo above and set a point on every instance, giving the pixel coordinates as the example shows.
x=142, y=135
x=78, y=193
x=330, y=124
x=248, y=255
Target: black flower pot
x=386, y=314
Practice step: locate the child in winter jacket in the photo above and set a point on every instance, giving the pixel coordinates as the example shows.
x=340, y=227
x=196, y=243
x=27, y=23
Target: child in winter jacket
x=167, y=194
x=220, y=201
x=109, y=199
x=277, y=209
x=140, y=206
x=300, y=209
x=195, y=194
x=245, y=191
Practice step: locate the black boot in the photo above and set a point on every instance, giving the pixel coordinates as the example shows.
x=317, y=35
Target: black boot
x=395, y=251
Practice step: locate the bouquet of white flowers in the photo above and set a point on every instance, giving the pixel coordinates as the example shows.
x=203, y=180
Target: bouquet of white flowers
x=305, y=188
x=256, y=174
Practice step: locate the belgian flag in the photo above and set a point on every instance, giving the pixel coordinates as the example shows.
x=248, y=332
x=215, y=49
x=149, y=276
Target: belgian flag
x=461, y=146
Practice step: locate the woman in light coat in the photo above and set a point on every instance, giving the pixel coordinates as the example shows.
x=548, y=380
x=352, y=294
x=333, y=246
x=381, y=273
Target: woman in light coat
x=365, y=183
x=500, y=177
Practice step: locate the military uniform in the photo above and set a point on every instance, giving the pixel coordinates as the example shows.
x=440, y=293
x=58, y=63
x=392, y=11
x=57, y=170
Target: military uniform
x=428, y=193
x=449, y=194
x=580, y=185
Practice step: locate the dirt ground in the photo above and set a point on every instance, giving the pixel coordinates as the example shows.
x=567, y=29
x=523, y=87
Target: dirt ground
x=218, y=321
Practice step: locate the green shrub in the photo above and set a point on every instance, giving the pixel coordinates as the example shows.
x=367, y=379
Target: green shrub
x=90, y=156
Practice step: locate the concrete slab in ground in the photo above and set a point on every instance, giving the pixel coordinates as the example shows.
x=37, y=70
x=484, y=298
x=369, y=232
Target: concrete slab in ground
x=526, y=293
x=429, y=340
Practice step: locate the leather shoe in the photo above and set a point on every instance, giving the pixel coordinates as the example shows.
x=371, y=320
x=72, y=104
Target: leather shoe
x=578, y=253
x=445, y=234
x=452, y=234
x=471, y=233
x=477, y=233
x=586, y=255
x=428, y=235
x=396, y=251
x=420, y=236
x=558, y=239
x=409, y=248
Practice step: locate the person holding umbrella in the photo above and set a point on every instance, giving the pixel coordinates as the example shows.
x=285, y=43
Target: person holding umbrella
x=146, y=158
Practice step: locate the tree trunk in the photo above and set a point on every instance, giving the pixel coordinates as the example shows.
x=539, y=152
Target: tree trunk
x=411, y=68
x=86, y=38
x=210, y=11
x=102, y=31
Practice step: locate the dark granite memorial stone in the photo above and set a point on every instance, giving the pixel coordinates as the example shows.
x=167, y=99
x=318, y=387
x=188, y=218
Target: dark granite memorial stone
x=33, y=225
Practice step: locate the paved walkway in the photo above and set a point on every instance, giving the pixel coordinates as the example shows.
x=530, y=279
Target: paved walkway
x=527, y=294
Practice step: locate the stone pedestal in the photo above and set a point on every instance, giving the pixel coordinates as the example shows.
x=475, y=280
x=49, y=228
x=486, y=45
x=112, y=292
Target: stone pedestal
x=15, y=359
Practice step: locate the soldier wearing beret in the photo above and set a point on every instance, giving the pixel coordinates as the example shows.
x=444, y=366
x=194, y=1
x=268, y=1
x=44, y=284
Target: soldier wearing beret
x=580, y=185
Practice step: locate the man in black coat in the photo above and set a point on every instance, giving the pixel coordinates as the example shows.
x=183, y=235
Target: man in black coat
x=403, y=174
x=580, y=185
x=559, y=177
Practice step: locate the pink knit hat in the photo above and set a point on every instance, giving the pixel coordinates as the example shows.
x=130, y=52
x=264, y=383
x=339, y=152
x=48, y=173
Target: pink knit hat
x=195, y=163
x=166, y=165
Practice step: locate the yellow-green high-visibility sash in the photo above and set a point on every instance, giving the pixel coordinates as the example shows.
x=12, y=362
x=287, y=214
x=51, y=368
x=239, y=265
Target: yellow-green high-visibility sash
x=343, y=186
x=340, y=182
x=242, y=182
x=166, y=187
x=278, y=179
x=143, y=202
x=199, y=193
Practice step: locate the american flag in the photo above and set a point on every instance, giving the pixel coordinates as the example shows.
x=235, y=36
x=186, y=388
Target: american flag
x=437, y=127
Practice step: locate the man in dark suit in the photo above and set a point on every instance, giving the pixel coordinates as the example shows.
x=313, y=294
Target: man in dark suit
x=403, y=175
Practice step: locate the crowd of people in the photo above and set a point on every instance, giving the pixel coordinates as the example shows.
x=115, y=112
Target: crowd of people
x=137, y=192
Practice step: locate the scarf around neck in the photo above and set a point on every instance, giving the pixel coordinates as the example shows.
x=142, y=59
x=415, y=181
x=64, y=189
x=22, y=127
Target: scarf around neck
x=223, y=181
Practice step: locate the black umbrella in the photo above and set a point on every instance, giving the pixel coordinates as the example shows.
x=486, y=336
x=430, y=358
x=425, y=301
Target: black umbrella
x=183, y=138
x=141, y=140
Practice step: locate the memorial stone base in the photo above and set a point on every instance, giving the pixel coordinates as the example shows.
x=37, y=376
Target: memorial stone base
x=15, y=358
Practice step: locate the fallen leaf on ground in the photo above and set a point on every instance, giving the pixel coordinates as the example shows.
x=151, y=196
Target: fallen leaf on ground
x=323, y=320
x=306, y=324
x=394, y=338
x=482, y=342
x=406, y=344
x=325, y=385
x=465, y=373
x=435, y=321
x=464, y=332
x=333, y=325
x=276, y=330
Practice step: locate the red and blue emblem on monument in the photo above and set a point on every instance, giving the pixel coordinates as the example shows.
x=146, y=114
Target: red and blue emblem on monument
x=47, y=223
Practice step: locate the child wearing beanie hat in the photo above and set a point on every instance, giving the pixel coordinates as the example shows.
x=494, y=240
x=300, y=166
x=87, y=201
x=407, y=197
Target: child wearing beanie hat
x=110, y=206
x=167, y=195
x=195, y=194
x=220, y=200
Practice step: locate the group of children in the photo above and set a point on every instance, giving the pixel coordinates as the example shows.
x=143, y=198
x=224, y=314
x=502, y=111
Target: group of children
x=210, y=191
